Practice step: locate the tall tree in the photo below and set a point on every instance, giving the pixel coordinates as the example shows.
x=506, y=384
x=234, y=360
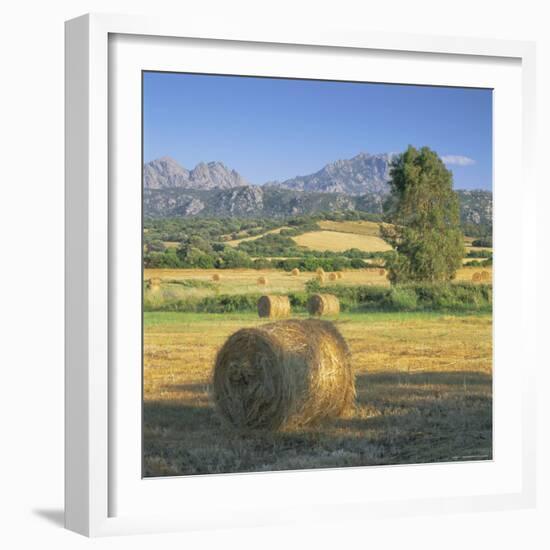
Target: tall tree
x=425, y=215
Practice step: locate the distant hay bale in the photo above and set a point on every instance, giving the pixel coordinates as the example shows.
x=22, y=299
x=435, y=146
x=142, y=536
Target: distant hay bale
x=216, y=277
x=323, y=304
x=295, y=271
x=321, y=277
x=320, y=271
x=332, y=277
x=262, y=280
x=476, y=277
x=283, y=375
x=154, y=283
x=273, y=306
x=485, y=276
x=381, y=272
x=339, y=274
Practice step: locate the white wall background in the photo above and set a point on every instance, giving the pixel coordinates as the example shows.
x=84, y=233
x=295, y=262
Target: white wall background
x=31, y=267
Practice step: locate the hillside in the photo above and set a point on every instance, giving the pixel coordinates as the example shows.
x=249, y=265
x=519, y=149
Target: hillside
x=214, y=190
x=476, y=207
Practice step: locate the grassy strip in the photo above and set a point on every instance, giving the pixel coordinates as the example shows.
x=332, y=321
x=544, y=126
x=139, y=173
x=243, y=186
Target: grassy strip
x=459, y=297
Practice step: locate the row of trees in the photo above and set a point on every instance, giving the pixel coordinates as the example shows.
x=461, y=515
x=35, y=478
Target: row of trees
x=201, y=255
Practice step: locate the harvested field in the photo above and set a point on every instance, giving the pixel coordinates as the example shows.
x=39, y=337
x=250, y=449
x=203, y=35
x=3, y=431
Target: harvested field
x=338, y=241
x=244, y=281
x=424, y=394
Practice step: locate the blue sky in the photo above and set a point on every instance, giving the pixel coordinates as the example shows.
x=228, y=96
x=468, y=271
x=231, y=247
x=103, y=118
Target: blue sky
x=275, y=129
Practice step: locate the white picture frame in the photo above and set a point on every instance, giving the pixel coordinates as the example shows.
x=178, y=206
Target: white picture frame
x=100, y=498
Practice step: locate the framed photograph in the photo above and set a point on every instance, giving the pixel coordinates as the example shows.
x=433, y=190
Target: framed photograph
x=295, y=275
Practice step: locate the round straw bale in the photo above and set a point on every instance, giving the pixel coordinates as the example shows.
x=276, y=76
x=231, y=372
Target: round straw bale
x=320, y=271
x=323, y=304
x=485, y=275
x=262, y=280
x=273, y=306
x=154, y=283
x=339, y=274
x=476, y=277
x=216, y=277
x=295, y=271
x=283, y=375
x=321, y=277
x=332, y=277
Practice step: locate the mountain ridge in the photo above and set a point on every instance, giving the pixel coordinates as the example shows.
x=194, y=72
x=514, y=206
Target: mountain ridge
x=167, y=173
x=213, y=189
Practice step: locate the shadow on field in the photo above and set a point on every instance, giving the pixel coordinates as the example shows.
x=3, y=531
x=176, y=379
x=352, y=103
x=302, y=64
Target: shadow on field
x=176, y=416
x=431, y=378
x=424, y=416
x=400, y=418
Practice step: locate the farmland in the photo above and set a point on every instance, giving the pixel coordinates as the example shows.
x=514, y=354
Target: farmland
x=423, y=368
x=242, y=281
x=338, y=241
x=423, y=383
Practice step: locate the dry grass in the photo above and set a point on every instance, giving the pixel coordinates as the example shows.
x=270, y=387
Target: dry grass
x=338, y=241
x=244, y=281
x=423, y=395
x=355, y=227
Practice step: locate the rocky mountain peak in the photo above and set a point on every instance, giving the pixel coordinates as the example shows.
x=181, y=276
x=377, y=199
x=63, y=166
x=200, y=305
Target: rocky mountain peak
x=167, y=173
x=362, y=174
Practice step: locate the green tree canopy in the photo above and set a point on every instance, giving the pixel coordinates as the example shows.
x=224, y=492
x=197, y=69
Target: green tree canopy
x=425, y=215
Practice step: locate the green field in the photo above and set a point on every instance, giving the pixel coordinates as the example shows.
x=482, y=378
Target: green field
x=424, y=388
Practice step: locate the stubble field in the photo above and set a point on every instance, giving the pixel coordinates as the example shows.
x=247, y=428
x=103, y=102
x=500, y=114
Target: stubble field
x=244, y=281
x=424, y=394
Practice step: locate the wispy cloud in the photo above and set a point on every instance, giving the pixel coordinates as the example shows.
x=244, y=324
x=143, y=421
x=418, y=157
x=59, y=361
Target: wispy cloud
x=458, y=160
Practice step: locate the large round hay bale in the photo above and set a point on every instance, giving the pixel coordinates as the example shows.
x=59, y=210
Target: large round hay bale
x=485, y=276
x=273, y=306
x=295, y=272
x=216, y=277
x=332, y=276
x=262, y=280
x=476, y=277
x=283, y=375
x=323, y=304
